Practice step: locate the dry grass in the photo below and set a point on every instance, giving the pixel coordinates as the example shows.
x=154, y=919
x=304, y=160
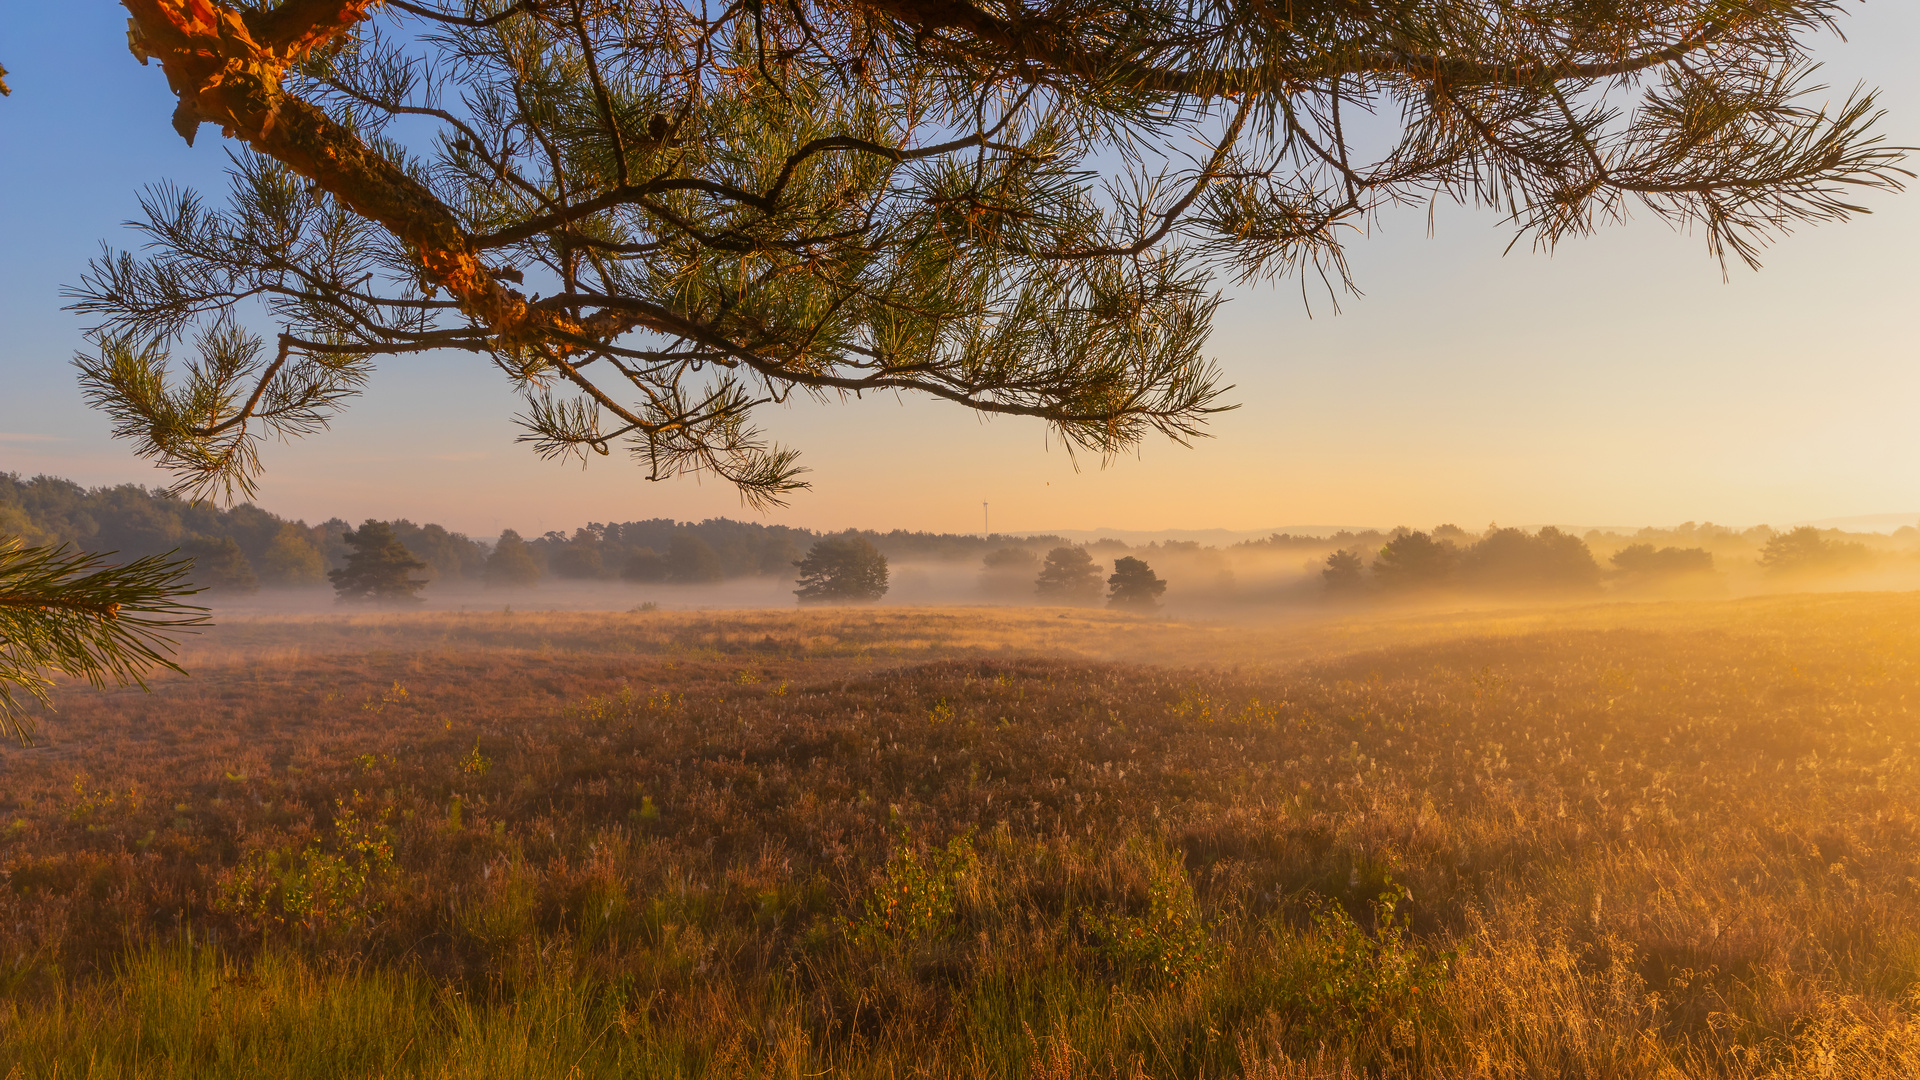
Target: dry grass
x=1607, y=841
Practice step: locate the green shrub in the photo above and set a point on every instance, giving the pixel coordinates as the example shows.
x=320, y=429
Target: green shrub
x=1359, y=980
x=917, y=892
x=313, y=887
x=1171, y=941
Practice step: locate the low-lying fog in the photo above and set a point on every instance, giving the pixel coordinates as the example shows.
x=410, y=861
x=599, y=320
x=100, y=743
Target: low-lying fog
x=1233, y=583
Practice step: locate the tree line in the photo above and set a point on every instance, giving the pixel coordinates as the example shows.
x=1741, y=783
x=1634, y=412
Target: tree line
x=1550, y=560
x=245, y=548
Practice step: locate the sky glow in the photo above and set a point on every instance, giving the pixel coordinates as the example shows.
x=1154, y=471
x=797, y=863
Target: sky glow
x=1616, y=380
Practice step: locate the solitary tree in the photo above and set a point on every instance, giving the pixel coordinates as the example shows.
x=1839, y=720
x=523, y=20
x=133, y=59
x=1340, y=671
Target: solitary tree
x=1345, y=572
x=75, y=614
x=1070, y=576
x=510, y=565
x=378, y=569
x=842, y=569
x=1134, y=585
x=654, y=218
x=1415, y=560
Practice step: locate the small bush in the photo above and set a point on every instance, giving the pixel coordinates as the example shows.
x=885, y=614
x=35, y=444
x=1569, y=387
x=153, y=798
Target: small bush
x=1361, y=981
x=312, y=887
x=1171, y=941
x=916, y=894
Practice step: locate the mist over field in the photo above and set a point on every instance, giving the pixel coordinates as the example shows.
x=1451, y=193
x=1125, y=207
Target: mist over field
x=247, y=560
x=1246, y=581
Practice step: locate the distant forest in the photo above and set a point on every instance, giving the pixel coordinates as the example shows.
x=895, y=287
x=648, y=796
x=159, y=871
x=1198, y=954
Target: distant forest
x=246, y=548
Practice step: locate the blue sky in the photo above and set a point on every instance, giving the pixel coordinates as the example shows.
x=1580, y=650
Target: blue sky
x=1616, y=381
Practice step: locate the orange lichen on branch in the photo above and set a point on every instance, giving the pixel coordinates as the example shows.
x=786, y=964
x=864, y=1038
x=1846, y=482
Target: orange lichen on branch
x=226, y=68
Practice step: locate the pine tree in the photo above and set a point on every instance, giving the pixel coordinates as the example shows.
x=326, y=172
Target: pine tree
x=511, y=564
x=1345, y=572
x=842, y=569
x=1070, y=576
x=1134, y=585
x=659, y=218
x=378, y=569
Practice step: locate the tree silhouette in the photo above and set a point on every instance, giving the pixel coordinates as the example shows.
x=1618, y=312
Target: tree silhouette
x=1345, y=572
x=1133, y=585
x=1509, y=559
x=580, y=558
x=378, y=569
x=842, y=569
x=1415, y=560
x=1806, y=551
x=645, y=565
x=511, y=565
x=448, y=555
x=1645, y=561
x=291, y=558
x=656, y=218
x=1069, y=576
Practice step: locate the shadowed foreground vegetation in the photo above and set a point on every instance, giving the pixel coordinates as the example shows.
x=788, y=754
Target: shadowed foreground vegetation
x=1655, y=841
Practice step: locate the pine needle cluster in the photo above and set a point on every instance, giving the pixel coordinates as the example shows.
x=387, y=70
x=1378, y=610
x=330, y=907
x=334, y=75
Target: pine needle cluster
x=72, y=613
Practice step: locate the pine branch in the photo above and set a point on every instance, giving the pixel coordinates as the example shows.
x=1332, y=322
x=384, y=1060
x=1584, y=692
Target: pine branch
x=73, y=613
x=679, y=213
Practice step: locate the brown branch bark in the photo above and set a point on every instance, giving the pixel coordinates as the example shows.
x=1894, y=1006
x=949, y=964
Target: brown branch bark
x=38, y=603
x=227, y=69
